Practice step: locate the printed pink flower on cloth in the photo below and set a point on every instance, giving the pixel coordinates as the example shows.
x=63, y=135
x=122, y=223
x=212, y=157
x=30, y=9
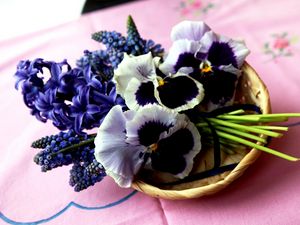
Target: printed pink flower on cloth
x=195, y=7
x=152, y=137
x=281, y=45
x=211, y=59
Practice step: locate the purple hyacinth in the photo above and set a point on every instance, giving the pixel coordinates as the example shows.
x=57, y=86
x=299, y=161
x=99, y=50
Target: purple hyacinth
x=72, y=98
x=93, y=100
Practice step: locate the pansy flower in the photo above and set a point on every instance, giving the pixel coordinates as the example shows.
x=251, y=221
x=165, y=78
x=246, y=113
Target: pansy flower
x=213, y=60
x=139, y=82
x=153, y=136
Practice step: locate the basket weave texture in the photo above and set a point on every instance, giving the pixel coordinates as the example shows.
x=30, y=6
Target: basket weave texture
x=251, y=90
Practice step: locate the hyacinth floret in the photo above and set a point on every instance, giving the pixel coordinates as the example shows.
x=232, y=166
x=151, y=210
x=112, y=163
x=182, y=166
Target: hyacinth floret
x=65, y=97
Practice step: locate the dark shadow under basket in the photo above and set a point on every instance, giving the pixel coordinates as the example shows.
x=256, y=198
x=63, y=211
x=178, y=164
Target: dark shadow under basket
x=250, y=90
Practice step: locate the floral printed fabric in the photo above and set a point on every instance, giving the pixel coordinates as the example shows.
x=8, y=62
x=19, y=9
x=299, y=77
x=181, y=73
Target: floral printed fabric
x=264, y=195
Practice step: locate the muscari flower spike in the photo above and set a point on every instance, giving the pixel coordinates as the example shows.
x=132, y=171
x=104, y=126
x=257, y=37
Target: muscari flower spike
x=153, y=136
x=138, y=82
x=214, y=60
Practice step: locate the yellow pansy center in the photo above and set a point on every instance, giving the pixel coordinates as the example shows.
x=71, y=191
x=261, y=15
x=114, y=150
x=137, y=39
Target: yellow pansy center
x=205, y=67
x=153, y=147
x=160, y=81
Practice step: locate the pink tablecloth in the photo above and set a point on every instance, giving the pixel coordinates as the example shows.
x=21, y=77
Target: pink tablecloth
x=267, y=194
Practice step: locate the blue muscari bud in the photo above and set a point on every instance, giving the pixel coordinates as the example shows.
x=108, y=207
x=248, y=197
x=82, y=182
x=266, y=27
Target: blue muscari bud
x=84, y=175
x=51, y=157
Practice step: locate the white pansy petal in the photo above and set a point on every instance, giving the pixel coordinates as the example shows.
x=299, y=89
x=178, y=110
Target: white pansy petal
x=139, y=94
x=240, y=51
x=181, y=54
x=205, y=44
x=230, y=69
x=123, y=162
x=191, y=30
x=120, y=160
x=141, y=67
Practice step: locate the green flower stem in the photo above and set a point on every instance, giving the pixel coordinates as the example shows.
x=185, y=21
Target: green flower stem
x=256, y=146
x=272, y=128
x=225, y=142
x=241, y=117
x=245, y=128
x=288, y=115
x=241, y=133
x=255, y=118
x=202, y=125
x=76, y=146
x=240, y=111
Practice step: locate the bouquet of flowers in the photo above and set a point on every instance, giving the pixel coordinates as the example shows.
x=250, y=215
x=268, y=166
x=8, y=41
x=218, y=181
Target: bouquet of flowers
x=163, y=119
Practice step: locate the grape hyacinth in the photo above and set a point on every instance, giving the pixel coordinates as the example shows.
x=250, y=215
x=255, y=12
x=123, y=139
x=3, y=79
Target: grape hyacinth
x=84, y=175
x=53, y=154
x=133, y=44
x=99, y=61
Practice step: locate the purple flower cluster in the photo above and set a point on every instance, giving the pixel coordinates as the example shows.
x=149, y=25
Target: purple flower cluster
x=75, y=98
x=67, y=148
x=84, y=175
x=133, y=44
x=54, y=154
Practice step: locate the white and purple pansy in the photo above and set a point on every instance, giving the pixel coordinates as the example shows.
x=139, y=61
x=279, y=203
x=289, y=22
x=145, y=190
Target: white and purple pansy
x=213, y=60
x=152, y=137
x=179, y=92
x=140, y=83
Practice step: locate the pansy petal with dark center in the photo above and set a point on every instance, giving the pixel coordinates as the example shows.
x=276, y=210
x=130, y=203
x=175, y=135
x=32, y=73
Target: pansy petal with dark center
x=219, y=87
x=186, y=59
x=139, y=94
x=176, y=150
x=220, y=53
x=169, y=155
x=150, y=131
x=120, y=160
x=148, y=124
x=221, y=50
x=181, y=54
x=173, y=164
x=142, y=67
x=179, y=92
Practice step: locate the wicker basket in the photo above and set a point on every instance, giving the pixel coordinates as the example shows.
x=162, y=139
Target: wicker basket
x=250, y=89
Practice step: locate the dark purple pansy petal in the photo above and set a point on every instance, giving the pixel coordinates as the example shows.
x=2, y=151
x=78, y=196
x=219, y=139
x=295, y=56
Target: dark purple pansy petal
x=149, y=132
x=145, y=94
x=139, y=93
x=181, y=54
x=173, y=164
x=187, y=59
x=220, y=53
x=169, y=155
x=180, y=92
x=219, y=87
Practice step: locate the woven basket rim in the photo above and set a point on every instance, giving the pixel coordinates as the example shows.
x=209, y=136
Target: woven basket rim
x=247, y=160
